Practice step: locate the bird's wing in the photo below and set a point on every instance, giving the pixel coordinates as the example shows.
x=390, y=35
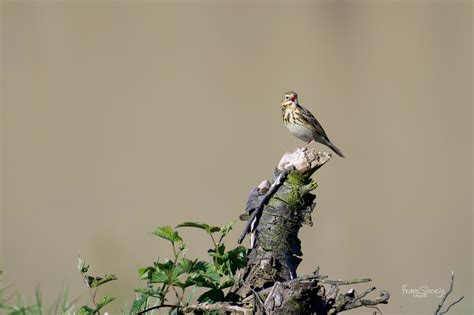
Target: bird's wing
x=313, y=121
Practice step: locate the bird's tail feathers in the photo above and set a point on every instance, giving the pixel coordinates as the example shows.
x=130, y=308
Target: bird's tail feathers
x=333, y=147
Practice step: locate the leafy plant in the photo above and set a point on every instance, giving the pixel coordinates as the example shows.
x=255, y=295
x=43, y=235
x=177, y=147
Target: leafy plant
x=176, y=275
x=93, y=283
x=163, y=278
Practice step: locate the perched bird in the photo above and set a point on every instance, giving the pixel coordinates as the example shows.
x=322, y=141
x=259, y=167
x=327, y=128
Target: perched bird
x=302, y=124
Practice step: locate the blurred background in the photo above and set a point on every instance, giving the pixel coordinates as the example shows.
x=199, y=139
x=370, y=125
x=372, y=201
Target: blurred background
x=121, y=116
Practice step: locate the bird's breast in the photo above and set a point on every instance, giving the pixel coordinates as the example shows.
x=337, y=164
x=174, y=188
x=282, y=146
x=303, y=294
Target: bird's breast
x=297, y=129
x=286, y=117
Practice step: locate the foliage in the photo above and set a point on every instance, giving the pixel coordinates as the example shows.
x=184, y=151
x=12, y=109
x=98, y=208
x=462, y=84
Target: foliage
x=176, y=275
x=93, y=283
x=21, y=307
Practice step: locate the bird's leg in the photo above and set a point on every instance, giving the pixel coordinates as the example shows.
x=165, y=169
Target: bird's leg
x=307, y=144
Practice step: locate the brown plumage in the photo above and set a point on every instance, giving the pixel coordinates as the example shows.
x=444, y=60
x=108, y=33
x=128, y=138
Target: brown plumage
x=302, y=124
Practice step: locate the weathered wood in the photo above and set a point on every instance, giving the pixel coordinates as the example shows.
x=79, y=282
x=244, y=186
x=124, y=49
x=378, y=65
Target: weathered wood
x=275, y=212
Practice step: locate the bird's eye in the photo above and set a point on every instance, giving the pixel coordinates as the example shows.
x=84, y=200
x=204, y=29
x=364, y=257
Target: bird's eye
x=287, y=97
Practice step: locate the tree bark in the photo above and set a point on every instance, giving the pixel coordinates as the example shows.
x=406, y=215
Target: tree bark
x=275, y=247
x=275, y=212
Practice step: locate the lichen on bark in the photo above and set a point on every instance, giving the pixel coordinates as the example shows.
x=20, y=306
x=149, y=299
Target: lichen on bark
x=275, y=212
x=276, y=248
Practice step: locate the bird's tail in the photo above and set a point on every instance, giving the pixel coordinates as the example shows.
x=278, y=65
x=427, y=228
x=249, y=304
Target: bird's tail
x=333, y=147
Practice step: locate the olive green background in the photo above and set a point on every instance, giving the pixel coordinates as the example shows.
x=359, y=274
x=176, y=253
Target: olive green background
x=118, y=117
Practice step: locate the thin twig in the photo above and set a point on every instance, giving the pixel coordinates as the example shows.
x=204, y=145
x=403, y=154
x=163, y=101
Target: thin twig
x=452, y=304
x=354, y=303
x=258, y=210
x=267, y=300
x=344, y=282
x=445, y=296
x=359, y=297
x=256, y=297
x=222, y=307
x=363, y=294
x=157, y=307
x=93, y=293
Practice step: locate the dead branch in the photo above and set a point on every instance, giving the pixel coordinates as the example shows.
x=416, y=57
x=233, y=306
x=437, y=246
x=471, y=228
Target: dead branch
x=222, y=307
x=253, y=220
x=444, y=298
x=350, y=300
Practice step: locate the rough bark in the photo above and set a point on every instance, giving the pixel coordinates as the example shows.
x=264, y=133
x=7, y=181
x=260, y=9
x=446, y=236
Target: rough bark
x=275, y=212
x=274, y=225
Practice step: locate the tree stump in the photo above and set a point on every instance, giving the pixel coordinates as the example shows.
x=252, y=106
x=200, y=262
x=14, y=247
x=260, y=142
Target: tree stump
x=275, y=213
x=275, y=248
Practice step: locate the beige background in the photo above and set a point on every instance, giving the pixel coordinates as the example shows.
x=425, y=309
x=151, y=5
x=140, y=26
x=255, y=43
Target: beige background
x=118, y=117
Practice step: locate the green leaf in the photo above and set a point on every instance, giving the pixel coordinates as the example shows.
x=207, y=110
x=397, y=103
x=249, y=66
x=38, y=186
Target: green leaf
x=211, y=296
x=167, y=233
x=81, y=265
x=237, y=258
x=145, y=294
x=203, y=226
x=208, y=278
x=89, y=281
x=167, y=267
x=187, y=283
x=145, y=272
x=228, y=282
x=214, y=229
x=151, y=292
x=225, y=229
x=201, y=280
x=105, y=300
x=153, y=275
x=94, y=282
x=139, y=303
x=162, y=272
x=220, y=257
x=200, y=266
x=189, y=266
x=212, y=274
x=184, y=266
x=86, y=310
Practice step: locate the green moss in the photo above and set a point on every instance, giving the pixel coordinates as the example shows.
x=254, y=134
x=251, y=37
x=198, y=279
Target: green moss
x=294, y=183
x=291, y=197
x=296, y=179
x=312, y=185
x=281, y=236
x=275, y=202
x=297, y=186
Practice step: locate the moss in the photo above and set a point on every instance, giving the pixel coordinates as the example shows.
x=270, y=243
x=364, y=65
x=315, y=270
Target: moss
x=294, y=183
x=296, y=179
x=312, y=185
x=274, y=202
x=293, y=306
x=291, y=203
x=281, y=236
x=297, y=186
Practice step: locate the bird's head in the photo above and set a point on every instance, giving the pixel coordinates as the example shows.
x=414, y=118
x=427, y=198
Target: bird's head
x=290, y=100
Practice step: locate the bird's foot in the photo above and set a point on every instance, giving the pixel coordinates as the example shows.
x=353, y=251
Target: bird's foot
x=307, y=144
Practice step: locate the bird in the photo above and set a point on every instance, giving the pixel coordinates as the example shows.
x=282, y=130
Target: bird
x=302, y=124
